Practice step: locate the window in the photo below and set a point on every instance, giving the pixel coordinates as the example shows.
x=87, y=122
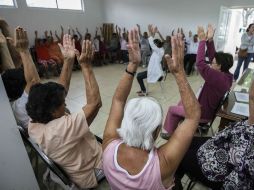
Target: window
x=59, y=4
x=7, y=3
x=42, y=3
x=67, y=4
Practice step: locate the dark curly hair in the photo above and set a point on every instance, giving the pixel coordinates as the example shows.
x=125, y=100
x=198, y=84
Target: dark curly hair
x=158, y=43
x=225, y=60
x=14, y=83
x=43, y=100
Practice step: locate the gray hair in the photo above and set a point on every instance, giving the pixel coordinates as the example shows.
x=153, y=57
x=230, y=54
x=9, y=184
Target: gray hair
x=142, y=116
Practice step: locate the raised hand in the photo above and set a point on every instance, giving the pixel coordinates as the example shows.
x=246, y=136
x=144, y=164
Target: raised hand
x=133, y=47
x=87, y=53
x=175, y=64
x=50, y=32
x=20, y=39
x=150, y=28
x=201, y=33
x=68, y=47
x=155, y=30
x=62, y=29
x=36, y=33
x=210, y=32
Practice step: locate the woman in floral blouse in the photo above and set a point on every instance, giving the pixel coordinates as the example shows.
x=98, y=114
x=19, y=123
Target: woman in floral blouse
x=225, y=161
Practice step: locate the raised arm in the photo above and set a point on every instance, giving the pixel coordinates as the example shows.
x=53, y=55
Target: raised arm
x=203, y=68
x=62, y=33
x=68, y=51
x=22, y=45
x=51, y=36
x=251, y=103
x=36, y=38
x=122, y=91
x=79, y=34
x=93, y=97
x=161, y=37
x=173, y=151
x=57, y=37
x=69, y=30
x=151, y=31
x=119, y=32
x=46, y=34
x=210, y=43
x=73, y=32
x=5, y=56
x=139, y=30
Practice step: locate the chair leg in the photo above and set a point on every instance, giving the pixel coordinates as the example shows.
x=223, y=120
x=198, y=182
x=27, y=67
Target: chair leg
x=211, y=127
x=147, y=84
x=200, y=131
x=191, y=185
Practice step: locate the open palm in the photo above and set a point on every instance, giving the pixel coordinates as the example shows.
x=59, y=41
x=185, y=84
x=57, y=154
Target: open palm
x=87, y=53
x=133, y=47
x=68, y=47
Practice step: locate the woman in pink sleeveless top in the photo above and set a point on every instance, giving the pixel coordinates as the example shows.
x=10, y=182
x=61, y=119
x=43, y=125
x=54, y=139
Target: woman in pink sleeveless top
x=130, y=159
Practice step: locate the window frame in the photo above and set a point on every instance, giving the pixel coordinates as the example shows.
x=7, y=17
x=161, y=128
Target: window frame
x=60, y=9
x=15, y=5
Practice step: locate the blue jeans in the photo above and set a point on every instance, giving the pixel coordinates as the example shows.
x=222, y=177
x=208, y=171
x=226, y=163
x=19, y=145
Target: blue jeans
x=246, y=61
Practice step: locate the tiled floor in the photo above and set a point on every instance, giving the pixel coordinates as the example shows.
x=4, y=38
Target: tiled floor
x=108, y=77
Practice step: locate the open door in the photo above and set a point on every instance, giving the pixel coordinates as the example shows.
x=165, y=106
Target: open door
x=222, y=29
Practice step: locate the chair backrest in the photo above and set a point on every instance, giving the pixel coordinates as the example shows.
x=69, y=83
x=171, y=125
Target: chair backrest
x=224, y=98
x=50, y=164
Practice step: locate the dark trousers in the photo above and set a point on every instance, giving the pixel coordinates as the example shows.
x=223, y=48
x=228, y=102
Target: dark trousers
x=246, y=61
x=190, y=166
x=140, y=77
x=189, y=60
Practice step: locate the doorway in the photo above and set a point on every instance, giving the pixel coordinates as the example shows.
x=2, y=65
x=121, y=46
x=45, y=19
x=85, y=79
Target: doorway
x=231, y=27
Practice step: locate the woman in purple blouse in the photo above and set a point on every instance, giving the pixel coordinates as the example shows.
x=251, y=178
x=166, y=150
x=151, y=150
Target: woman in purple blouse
x=218, y=81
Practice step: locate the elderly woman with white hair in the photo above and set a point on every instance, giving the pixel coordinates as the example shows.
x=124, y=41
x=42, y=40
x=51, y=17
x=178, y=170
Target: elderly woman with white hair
x=130, y=158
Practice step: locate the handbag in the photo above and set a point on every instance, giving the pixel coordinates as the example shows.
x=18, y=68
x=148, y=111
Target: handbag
x=243, y=53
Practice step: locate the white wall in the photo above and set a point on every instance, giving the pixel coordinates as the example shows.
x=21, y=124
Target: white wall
x=166, y=14
x=50, y=19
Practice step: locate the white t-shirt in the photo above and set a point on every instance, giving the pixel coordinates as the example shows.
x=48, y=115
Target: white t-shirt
x=96, y=44
x=19, y=110
x=123, y=44
x=154, y=69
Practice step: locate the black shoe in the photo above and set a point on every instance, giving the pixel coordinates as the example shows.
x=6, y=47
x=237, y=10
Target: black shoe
x=165, y=136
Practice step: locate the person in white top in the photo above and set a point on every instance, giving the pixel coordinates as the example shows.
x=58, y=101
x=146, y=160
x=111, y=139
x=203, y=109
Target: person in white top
x=247, y=44
x=190, y=57
x=17, y=91
x=144, y=47
x=154, y=71
x=123, y=42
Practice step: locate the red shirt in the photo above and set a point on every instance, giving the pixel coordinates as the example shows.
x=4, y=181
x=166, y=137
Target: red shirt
x=42, y=52
x=78, y=46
